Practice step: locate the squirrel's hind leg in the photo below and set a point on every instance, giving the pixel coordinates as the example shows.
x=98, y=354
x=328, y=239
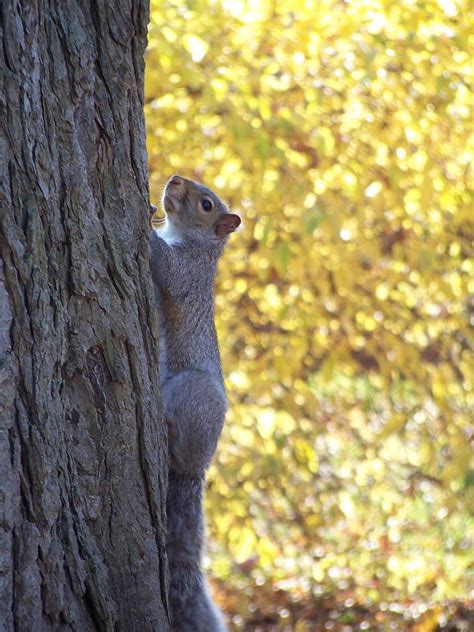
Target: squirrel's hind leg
x=195, y=407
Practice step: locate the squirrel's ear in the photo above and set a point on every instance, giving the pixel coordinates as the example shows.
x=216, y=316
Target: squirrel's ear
x=226, y=224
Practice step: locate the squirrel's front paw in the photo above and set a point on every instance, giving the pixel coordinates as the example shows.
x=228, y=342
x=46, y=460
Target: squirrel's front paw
x=153, y=209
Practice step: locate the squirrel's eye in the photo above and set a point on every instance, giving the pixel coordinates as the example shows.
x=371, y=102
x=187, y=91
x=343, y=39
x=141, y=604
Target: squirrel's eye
x=206, y=205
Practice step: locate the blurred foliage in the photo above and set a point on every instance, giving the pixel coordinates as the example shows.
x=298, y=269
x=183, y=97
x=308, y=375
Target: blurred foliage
x=340, y=131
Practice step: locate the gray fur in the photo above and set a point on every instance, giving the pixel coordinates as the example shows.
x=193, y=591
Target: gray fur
x=192, y=609
x=192, y=386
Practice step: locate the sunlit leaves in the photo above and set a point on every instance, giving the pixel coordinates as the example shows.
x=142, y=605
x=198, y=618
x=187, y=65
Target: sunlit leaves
x=340, y=132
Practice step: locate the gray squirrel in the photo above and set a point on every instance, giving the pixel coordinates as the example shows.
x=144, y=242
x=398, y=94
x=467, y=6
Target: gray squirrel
x=184, y=256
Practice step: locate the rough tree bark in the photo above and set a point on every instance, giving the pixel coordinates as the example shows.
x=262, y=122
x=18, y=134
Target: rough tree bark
x=82, y=444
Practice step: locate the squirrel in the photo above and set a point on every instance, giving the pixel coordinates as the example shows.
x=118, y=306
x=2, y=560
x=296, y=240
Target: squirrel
x=184, y=256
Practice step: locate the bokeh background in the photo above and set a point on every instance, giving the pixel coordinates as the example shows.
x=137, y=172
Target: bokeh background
x=343, y=490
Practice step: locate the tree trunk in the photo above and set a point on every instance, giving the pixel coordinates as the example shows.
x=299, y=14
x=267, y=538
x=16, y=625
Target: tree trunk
x=83, y=464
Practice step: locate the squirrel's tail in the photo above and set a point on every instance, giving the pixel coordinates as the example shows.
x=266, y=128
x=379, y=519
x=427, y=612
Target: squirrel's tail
x=192, y=609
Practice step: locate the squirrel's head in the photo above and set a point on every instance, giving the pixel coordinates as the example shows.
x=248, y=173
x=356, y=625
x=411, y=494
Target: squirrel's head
x=193, y=209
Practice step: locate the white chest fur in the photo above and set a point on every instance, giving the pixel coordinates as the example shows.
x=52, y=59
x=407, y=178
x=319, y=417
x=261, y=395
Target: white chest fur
x=169, y=234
